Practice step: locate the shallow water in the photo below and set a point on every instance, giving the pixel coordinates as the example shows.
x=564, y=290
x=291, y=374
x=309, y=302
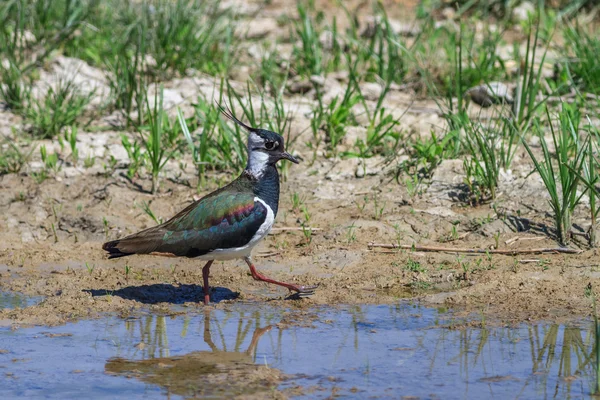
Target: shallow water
x=361, y=351
x=14, y=300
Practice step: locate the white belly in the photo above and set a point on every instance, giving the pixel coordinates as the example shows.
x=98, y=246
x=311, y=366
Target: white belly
x=244, y=251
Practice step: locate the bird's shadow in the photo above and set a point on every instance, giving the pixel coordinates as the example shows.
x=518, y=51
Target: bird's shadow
x=166, y=293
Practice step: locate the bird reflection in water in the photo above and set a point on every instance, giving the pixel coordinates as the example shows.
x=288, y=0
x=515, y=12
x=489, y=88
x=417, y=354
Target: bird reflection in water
x=217, y=372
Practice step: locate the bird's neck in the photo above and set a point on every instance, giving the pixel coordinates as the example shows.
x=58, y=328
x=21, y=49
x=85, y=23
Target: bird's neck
x=266, y=185
x=257, y=163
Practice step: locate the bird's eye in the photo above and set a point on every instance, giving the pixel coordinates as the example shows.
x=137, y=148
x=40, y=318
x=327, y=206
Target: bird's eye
x=269, y=145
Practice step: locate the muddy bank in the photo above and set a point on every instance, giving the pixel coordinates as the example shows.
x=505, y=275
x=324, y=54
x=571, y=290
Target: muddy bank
x=65, y=265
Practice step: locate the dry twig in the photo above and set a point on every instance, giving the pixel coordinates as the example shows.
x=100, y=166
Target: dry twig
x=475, y=251
x=295, y=228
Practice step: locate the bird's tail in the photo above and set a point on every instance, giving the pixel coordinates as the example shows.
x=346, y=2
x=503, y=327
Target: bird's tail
x=143, y=242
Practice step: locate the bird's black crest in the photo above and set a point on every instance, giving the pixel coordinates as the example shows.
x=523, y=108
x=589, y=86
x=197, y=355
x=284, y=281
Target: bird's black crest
x=227, y=112
x=263, y=133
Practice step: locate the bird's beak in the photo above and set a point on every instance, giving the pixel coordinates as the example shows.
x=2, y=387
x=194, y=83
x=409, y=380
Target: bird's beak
x=290, y=157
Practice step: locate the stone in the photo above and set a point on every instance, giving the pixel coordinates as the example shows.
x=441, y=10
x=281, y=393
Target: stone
x=522, y=12
x=118, y=152
x=326, y=40
x=371, y=90
x=257, y=28
x=486, y=95
x=401, y=28
x=439, y=211
x=171, y=97
x=494, y=228
x=300, y=86
x=369, y=166
x=343, y=169
x=355, y=133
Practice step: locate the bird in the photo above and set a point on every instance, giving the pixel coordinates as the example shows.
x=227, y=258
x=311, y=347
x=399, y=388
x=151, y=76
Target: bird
x=227, y=223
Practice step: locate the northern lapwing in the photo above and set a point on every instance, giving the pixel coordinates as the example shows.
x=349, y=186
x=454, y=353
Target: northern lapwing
x=227, y=223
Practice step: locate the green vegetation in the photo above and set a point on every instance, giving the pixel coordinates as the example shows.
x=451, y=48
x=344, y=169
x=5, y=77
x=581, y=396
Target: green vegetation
x=158, y=138
x=30, y=31
x=583, y=66
x=60, y=107
x=483, y=166
x=349, y=71
x=13, y=158
x=561, y=185
x=414, y=266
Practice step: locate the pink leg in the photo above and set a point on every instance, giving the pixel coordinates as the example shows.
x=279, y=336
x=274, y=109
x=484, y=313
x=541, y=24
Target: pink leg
x=205, y=272
x=305, y=290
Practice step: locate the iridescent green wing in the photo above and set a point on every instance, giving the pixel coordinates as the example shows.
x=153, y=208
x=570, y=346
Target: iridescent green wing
x=221, y=221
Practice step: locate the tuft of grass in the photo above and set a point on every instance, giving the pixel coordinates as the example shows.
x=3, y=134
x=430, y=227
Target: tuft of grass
x=381, y=137
x=581, y=51
x=378, y=208
x=136, y=158
x=447, y=62
x=145, y=206
x=272, y=72
x=561, y=185
x=13, y=158
x=90, y=268
x=482, y=168
x=414, y=266
x=306, y=229
x=385, y=51
x=426, y=155
x=70, y=137
x=60, y=107
x=209, y=116
x=591, y=178
x=126, y=79
x=50, y=160
x=158, y=145
x=333, y=119
x=530, y=79
x=89, y=161
x=15, y=90
x=310, y=54
x=351, y=235
x=297, y=201
x=127, y=271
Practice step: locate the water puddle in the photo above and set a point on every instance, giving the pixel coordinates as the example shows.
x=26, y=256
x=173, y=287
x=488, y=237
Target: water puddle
x=362, y=351
x=17, y=300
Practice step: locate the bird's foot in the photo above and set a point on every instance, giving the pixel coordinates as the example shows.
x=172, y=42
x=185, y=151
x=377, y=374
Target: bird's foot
x=301, y=290
x=304, y=291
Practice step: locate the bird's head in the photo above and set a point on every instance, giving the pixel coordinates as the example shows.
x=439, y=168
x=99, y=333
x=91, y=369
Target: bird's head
x=264, y=147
